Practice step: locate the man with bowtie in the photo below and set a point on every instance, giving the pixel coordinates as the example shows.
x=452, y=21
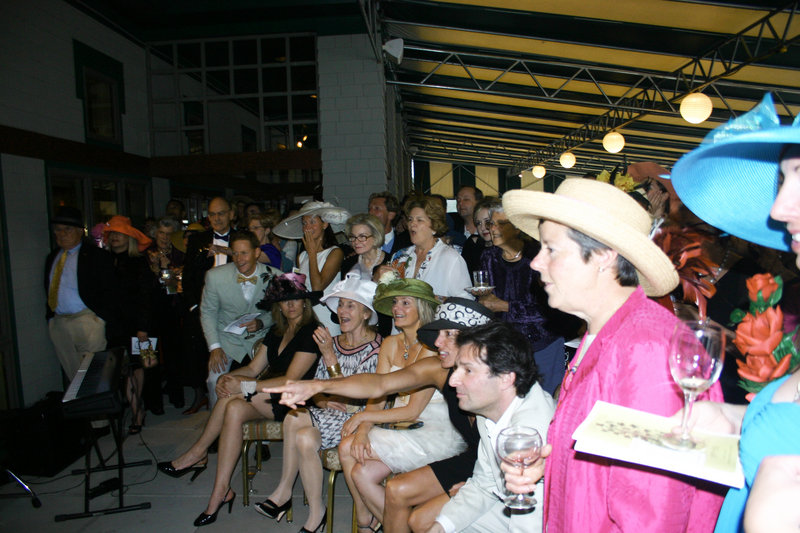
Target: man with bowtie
x=204, y=251
x=230, y=292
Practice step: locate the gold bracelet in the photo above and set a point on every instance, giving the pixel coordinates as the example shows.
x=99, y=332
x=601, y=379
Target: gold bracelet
x=334, y=371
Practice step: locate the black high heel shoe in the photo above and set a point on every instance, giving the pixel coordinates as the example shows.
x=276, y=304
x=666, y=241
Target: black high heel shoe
x=269, y=509
x=205, y=519
x=320, y=527
x=167, y=468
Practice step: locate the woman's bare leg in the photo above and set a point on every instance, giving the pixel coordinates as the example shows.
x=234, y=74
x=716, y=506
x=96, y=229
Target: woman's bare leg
x=210, y=432
x=423, y=516
x=237, y=412
x=368, y=477
x=308, y=443
x=406, y=491
x=363, y=515
x=293, y=422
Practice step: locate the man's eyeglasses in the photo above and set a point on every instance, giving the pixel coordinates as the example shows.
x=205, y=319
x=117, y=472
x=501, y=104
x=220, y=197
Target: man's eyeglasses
x=359, y=238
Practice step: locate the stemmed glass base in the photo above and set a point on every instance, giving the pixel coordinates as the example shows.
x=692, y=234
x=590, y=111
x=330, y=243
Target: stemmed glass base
x=520, y=501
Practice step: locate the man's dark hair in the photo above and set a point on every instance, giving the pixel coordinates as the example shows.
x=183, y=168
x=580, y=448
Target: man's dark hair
x=476, y=191
x=392, y=205
x=503, y=349
x=248, y=236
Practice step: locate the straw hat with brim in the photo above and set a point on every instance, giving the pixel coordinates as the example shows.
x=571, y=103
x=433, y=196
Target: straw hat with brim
x=402, y=287
x=455, y=313
x=352, y=288
x=604, y=213
x=731, y=179
x=292, y=227
x=289, y=286
x=68, y=216
x=122, y=224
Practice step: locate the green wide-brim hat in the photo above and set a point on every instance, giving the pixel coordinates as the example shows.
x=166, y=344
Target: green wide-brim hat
x=402, y=287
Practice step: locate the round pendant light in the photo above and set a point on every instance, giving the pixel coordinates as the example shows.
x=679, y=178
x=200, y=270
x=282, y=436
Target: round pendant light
x=539, y=171
x=696, y=107
x=613, y=142
x=567, y=160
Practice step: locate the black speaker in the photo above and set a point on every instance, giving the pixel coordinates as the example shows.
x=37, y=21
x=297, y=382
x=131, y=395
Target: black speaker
x=38, y=441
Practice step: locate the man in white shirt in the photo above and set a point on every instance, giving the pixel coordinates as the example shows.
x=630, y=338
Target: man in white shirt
x=496, y=379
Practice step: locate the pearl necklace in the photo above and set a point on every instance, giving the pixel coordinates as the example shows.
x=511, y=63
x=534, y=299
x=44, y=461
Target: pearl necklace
x=516, y=256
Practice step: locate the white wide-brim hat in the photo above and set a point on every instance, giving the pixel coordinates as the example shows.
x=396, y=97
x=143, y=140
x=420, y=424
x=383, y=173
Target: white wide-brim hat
x=731, y=179
x=352, y=287
x=292, y=227
x=603, y=212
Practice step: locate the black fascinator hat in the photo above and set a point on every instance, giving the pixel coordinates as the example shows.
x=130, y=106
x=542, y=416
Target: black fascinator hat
x=289, y=286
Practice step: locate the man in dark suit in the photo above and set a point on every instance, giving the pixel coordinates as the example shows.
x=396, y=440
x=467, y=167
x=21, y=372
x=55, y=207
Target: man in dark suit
x=81, y=290
x=204, y=251
x=385, y=207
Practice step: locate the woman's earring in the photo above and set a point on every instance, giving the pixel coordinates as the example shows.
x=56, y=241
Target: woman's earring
x=601, y=269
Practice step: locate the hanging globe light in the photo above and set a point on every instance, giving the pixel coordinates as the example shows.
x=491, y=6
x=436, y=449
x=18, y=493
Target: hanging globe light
x=613, y=142
x=539, y=171
x=567, y=160
x=696, y=107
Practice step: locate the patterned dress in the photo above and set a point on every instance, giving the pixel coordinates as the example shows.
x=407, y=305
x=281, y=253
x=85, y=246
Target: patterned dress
x=358, y=360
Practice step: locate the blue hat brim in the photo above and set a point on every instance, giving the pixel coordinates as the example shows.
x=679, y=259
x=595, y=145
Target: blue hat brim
x=732, y=186
x=731, y=180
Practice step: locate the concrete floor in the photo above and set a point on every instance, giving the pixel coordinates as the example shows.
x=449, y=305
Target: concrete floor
x=175, y=502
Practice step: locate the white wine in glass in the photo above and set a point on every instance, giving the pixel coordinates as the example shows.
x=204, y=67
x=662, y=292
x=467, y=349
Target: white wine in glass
x=519, y=446
x=696, y=354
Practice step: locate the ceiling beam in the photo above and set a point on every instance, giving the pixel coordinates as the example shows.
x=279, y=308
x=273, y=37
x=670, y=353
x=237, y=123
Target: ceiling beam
x=724, y=60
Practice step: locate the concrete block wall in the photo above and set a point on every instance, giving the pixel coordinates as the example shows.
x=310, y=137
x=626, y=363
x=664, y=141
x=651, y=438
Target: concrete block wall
x=352, y=120
x=29, y=243
x=37, y=89
x=37, y=93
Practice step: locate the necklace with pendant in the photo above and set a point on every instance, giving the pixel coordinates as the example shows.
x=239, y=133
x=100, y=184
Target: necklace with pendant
x=408, y=347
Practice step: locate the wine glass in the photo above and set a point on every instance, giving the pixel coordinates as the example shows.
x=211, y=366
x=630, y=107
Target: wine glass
x=480, y=279
x=519, y=446
x=696, y=354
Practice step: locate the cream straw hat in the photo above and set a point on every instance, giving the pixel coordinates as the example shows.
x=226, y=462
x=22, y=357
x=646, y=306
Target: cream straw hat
x=604, y=213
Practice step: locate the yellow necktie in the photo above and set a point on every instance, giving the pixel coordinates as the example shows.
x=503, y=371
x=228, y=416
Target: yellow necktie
x=243, y=279
x=52, y=294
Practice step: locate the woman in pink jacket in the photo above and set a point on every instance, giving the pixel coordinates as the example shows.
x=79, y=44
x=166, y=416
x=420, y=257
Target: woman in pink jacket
x=598, y=263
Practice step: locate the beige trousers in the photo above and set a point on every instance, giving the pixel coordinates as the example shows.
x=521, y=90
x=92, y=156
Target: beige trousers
x=76, y=335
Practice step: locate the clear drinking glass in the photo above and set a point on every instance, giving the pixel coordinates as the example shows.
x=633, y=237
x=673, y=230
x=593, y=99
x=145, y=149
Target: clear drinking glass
x=696, y=354
x=480, y=279
x=519, y=446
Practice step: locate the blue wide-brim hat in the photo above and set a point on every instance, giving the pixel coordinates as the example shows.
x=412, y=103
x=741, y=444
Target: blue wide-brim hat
x=731, y=179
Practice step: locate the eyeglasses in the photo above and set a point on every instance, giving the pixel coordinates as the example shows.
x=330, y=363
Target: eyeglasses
x=359, y=238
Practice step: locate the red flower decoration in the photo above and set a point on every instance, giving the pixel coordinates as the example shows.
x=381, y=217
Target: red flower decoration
x=759, y=335
x=761, y=282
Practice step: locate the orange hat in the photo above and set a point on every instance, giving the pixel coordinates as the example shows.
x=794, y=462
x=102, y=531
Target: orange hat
x=122, y=224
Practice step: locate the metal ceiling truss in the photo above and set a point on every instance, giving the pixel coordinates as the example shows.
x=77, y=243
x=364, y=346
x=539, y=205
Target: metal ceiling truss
x=649, y=93
x=731, y=56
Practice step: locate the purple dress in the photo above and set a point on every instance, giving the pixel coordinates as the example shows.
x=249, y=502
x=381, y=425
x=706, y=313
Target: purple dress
x=528, y=311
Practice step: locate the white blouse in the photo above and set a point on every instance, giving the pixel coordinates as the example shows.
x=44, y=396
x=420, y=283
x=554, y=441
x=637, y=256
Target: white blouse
x=443, y=269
